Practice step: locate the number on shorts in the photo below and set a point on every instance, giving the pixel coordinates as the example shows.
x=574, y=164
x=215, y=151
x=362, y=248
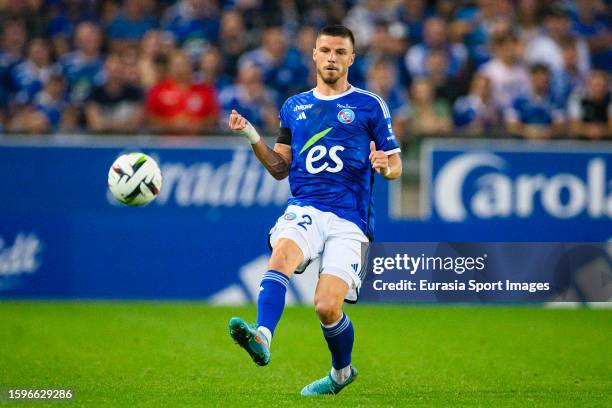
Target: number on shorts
x=306, y=220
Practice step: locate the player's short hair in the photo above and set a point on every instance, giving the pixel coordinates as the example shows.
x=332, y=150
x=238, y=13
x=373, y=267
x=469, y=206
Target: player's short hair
x=337, y=30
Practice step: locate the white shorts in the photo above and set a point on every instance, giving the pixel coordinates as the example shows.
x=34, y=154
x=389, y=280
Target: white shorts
x=340, y=243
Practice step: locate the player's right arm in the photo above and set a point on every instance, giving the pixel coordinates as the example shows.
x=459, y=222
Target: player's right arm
x=277, y=161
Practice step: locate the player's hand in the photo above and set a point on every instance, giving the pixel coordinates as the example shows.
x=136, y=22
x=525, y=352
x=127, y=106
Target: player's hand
x=379, y=160
x=237, y=123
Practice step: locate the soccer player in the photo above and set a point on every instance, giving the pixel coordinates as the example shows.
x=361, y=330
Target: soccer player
x=332, y=139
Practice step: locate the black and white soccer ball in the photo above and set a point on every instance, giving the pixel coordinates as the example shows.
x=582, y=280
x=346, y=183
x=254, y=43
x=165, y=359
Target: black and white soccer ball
x=135, y=179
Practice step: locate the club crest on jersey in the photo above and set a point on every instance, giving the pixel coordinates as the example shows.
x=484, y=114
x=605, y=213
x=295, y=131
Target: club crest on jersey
x=289, y=216
x=346, y=116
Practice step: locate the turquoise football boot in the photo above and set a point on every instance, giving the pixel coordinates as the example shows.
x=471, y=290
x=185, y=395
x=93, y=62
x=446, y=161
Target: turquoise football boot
x=327, y=385
x=251, y=340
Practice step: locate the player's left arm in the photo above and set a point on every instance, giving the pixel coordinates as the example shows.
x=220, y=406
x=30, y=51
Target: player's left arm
x=388, y=166
x=384, y=149
x=277, y=161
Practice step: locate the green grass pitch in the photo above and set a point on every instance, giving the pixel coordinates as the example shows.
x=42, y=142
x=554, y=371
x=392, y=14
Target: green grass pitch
x=180, y=354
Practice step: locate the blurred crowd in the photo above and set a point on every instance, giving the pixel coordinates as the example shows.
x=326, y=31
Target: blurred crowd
x=529, y=68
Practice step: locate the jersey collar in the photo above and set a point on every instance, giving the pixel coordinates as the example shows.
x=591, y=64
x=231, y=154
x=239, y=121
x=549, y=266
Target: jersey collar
x=332, y=97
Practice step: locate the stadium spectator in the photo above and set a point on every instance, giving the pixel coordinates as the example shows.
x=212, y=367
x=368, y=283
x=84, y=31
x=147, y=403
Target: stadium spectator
x=179, y=105
x=435, y=37
x=474, y=113
x=154, y=46
x=383, y=80
x=362, y=19
x=212, y=70
x=83, y=67
x=412, y=13
x=507, y=73
x=65, y=14
x=591, y=22
x=29, y=76
x=449, y=41
x=305, y=42
x=281, y=66
x=546, y=47
x=115, y=106
x=382, y=45
x=129, y=59
x=527, y=19
x=389, y=42
x=12, y=47
x=474, y=25
x=320, y=13
x=233, y=40
x=428, y=116
x=590, y=109
x=60, y=46
x=48, y=112
x=30, y=12
x=26, y=119
x=60, y=29
x=284, y=13
x=445, y=86
x=565, y=80
x=252, y=98
x=534, y=115
x=60, y=24
x=52, y=104
x=13, y=42
x=446, y=9
x=194, y=23
x=134, y=19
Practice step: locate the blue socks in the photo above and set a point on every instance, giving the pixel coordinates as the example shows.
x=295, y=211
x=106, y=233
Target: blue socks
x=340, y=342
x=271, y=301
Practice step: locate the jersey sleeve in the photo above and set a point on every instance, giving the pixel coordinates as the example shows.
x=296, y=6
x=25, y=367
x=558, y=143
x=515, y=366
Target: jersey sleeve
x=283, y=117
x=285, y=128
x=382, y=131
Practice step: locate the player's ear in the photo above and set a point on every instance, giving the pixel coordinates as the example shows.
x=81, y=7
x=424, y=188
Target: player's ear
x=314, y=54
x=352, y=59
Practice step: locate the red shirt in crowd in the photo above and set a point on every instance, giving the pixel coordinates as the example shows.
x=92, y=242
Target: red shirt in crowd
x=173, y=105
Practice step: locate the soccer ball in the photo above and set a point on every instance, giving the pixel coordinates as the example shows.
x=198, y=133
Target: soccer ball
x=134, y=179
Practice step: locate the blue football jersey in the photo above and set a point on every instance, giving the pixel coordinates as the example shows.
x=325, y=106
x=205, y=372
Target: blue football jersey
x=330, y=145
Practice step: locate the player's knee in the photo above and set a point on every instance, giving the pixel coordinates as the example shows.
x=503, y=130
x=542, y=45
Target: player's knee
x=328, y=310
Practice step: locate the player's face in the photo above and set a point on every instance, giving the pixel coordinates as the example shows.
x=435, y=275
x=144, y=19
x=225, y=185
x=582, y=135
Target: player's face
x=333, y=56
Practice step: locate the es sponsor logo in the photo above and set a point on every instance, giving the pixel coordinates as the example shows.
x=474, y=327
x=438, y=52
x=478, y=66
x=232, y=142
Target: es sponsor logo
x=318, y=153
